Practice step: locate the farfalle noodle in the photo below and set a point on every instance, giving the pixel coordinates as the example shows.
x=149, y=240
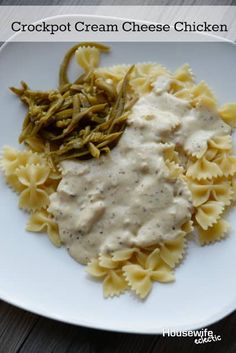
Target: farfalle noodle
x=114, y=73
x=172, y=251
x=202, y=89
x=221, y=143
x=226, y=163
x=215, y=233
x=211, y=153
x=220, y=190
x=33, y=177
x=228, y=113
x=204, y=169
x=42, y=221
x=12, y=159
x=114, y=283
x=145, y=75
x=140, y=278
x=87, y=57
x=123, y=254
x=113, y=279
x=175, y=169
x=209, y=213
x=184, y=74
x=14, y=183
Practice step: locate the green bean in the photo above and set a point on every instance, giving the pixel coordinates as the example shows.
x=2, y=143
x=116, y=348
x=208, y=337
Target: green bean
x=46, y=119
x=83, y=100
x=63, y=114
x=76, y=106
x=76, y=87
x=65, y=88
x=37, y=94
x=73, y=155
x=118, y=108
x=93, y=150
x=107, y=88
x=20, y=91
x=76, y=119
x=26, y=121
x=17, y=91
x=26, y=132
x=110, y=138
x=63, y=123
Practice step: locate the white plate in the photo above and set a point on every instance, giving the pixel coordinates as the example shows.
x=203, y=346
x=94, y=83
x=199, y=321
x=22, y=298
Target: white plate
x=38, y=277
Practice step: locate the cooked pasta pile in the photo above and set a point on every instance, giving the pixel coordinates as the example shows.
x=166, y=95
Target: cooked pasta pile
x=64, y=124
x=29, y=175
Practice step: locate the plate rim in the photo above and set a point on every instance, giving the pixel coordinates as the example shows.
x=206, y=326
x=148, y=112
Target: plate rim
x=227, y=310
x=127, y=329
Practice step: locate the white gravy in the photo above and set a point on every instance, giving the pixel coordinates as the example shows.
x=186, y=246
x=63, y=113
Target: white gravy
x=127, y=198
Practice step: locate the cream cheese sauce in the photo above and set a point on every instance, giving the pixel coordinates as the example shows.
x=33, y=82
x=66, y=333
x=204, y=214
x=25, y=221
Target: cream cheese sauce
x=197, y=126
x=127, y=198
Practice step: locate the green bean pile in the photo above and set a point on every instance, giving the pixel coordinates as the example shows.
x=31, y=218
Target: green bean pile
x=80, y=119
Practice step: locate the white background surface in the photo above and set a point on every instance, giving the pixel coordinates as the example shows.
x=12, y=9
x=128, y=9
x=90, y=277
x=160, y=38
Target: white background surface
x=43, y=279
